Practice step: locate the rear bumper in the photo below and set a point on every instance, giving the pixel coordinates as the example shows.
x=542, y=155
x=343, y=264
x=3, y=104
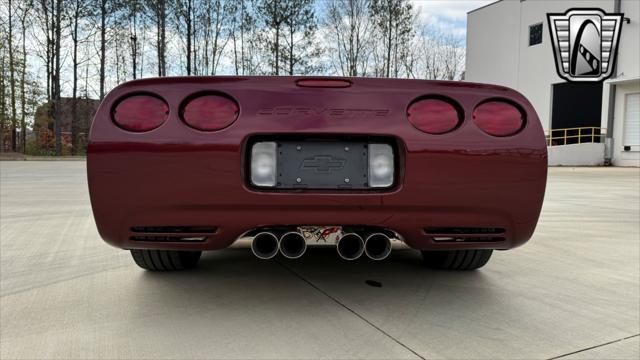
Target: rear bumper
x=192, y=186
x=177, y=176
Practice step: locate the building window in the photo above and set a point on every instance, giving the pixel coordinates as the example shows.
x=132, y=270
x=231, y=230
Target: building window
x=535, y=34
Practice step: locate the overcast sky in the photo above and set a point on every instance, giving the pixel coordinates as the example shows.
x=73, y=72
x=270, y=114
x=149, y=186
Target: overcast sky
x=449, y=15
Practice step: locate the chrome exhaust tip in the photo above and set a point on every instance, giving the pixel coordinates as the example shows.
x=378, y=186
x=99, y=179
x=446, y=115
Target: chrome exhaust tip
x=377, y=246
x=292, y=245
x=264, y=245
x=350, y=246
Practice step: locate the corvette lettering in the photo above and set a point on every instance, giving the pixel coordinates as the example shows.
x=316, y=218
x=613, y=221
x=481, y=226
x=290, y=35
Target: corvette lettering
x=325, y=111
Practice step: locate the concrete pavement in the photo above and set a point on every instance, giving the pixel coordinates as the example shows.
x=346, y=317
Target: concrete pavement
x=572, y=292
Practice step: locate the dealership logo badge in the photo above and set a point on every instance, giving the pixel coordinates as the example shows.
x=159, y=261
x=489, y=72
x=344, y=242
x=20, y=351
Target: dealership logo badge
x=585, y=43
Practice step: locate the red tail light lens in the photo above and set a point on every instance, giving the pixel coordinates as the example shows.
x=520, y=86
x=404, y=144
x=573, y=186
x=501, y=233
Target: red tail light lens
x=434, y=116
x=498, y=118
x=210, y=112
x=140, y=113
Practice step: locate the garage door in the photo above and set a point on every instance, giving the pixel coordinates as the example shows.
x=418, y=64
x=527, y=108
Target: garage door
x=632, y=120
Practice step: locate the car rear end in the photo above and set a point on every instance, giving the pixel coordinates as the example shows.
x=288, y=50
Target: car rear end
x=194, y=163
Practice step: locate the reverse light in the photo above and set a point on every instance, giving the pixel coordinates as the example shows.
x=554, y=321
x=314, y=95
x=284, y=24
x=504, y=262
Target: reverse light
x=140, y=113
x=381, y=165
x=263, y=164
x=210, y=112
x=434, y=116
x=498, y=118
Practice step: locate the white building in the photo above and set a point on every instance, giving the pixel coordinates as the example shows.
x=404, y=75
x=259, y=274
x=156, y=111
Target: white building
x=508, y=43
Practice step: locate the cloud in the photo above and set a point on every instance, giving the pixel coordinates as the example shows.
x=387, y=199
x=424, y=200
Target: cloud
x=449, y=16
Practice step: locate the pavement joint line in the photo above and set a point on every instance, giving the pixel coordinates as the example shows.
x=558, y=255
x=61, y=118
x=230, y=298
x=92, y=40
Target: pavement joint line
x=348, y=308
x=59, y=281
x=594, y=347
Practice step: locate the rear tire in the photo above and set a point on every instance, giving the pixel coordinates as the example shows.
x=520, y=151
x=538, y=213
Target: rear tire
x=456, y=259
x=165, y=260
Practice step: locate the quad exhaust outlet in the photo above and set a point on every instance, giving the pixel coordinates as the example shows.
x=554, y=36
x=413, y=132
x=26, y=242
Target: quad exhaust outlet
x=292, y=245
x=350, y=246
x=265, y=245
x=377, y=246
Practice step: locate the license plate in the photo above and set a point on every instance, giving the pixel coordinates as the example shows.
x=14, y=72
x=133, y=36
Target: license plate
x=320, y=235
x=323, y=164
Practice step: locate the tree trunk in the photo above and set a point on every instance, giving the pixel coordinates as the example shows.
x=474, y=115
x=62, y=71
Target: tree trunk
x=188, y=37
x=395, y=51
x=159, y=15
x=3, y=107
x=48, y=48
x=103, y=47
x=277, y=49
x=163, y=37
x=12, y=82
x=57, y=122
x=216, y=54
x=23, y=100
x=53, y=48
x=352, y=61
x=291, y=62
x=389, y=45
x=242, y=35
x=74, y=94
x=143, y=42
x=86, y=81
x=134, y=56
x=134, y=45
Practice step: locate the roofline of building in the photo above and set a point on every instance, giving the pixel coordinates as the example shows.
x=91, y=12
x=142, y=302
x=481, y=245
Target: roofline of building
x=622, y=80
x=484, y=6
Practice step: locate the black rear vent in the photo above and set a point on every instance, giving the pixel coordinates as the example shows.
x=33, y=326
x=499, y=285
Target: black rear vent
x=169, y=238
x=174, y=229
x=448, y=239
x=463, y=230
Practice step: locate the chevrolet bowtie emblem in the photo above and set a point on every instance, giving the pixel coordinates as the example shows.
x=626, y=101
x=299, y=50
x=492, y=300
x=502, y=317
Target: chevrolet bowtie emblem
x=585, y=43
x=323, y=164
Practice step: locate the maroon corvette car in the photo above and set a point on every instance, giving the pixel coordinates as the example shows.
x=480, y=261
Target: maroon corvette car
x=181, y=165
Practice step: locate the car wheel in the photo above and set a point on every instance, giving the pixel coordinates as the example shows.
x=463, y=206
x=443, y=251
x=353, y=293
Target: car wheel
x=165, y=260
x=456, y=259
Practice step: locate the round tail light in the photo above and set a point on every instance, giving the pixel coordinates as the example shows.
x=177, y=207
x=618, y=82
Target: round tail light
x=140, y=113
x=210, y=112
x=498, y=118
x=434, y=116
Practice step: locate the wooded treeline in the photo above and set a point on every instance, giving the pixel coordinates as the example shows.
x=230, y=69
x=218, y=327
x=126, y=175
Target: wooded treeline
x=51, y=50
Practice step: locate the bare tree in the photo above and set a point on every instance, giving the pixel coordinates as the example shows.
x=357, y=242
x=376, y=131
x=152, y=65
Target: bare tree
x=80, y=9
x=273, y=14
x=3, y=77
x=44, y=17
x=394, y=21
x=247, y=58
x=241, y=21
x=12, y=80
x=184, y=25
x=156, y=11
x=300, y=45
x=133, y=7
x=25, y=10
x=440, y=56
x=104, y=14
x=349, y=32
x=215, y=18
x=57, y=98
